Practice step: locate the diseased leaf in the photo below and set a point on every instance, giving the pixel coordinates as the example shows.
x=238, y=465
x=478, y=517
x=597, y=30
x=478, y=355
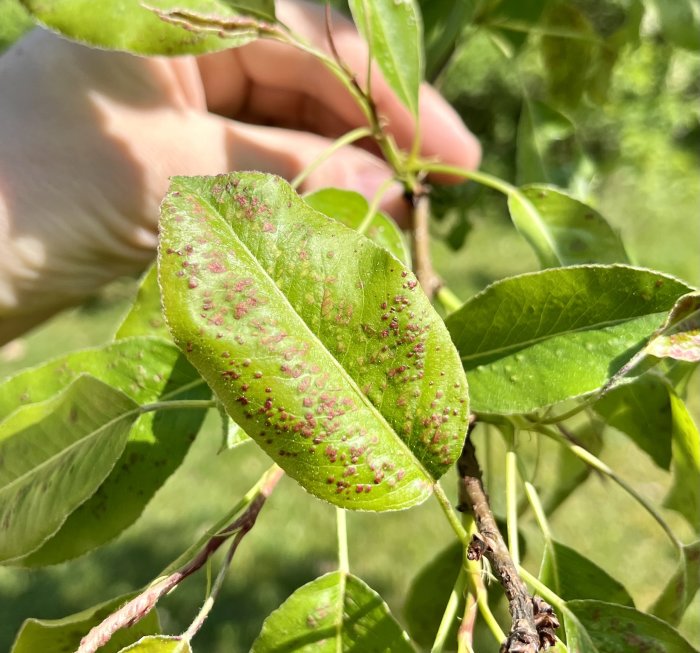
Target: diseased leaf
x=610, y=628
x=576, y=233
x=350, y=209
x=394, y=32
x=159, y=644
x=128, y=25
x=534, y=340
x=679, y=338
x=684, y=496
x=681, y=588
x=317, y=341
x=332, y=614
x=53, y=635
x=147, y=370
x=145, y=317
x=642, y=410
x=572, y=576
x=428, y=595
x=53, y=456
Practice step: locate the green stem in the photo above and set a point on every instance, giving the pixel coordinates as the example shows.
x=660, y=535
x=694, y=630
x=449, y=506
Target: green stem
x=482, y=178
x=597, y=464
x=512, y=505
x=374, y=204
x=178, y=404
x=342, y=531
x=450, y=302
x=346, y=139
x=451, y=515
x=450, y=614
x=536, y=505
x=542, y=590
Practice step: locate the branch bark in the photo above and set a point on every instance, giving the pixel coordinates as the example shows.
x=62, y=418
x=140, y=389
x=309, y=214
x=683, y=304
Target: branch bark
x=422, y=262
x=529, y=632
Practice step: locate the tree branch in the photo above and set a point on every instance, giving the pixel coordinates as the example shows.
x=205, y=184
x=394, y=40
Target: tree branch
x=136, y=609
x=533, y=622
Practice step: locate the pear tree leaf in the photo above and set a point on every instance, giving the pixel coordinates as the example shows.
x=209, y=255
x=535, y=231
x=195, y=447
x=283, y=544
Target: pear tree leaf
x=49, y=635
x=129, y=26
x=681, y=588
x=147, y=370
x=145, y=317
x=600, y=627
x=572, y=576
x=684, y=495
x=680, y=22
x=641, y=409
x=319, y=343
x=53, y=457
x=534, y=340
x=350, y=208
x=428, y=595
x=679, y=338
x=577, y=233
x=159, y=644
x=394, y=31
x=332, y=614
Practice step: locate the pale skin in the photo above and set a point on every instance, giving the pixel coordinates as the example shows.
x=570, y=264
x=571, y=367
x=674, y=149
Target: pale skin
x=88, y=140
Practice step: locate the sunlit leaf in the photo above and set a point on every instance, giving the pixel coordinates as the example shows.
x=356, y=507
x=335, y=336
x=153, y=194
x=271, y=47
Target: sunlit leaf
x=147, y=370
x=318, y=342
x=534, y=340
x=574, y=232
x=53, y=635
x=145, y=317
x=609, y=628
x=684, y=496
x=54, y=455
x=679, y=338
x=681, y=588
x=159, y=644
x=680, y=22
x=350, y=208
x=572, y=576
x=128, y=25
x=642, y=410
x=335, y=613
x=394, y=32
x=428, y=595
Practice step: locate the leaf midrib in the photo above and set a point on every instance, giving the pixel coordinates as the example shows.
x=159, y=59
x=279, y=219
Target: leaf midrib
x=533, y=341
x=344, y=373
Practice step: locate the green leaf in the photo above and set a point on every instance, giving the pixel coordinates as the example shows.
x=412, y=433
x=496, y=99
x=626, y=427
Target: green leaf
x=680, y=22
x=534, y=340
x=394, y=32
x=679, y=338
x=14, y=22
x=145, y=317
x=53, y=456
x=609, y=628
x=428, y=595
x=684, y=496
x=572, y=576
x=333, y=613
x=547, y=148
x=443, y=22
x=53, y=635
x=350, y=209
x=158, y=644
x=232, y=435
x=642, y=410
x=568, y=50
x=681, y=588
x=574, y=232
x=147, y=370
x=318, y=342
x=128, y=25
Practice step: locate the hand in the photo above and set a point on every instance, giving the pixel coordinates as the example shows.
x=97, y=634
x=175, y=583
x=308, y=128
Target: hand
x=89, y=139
